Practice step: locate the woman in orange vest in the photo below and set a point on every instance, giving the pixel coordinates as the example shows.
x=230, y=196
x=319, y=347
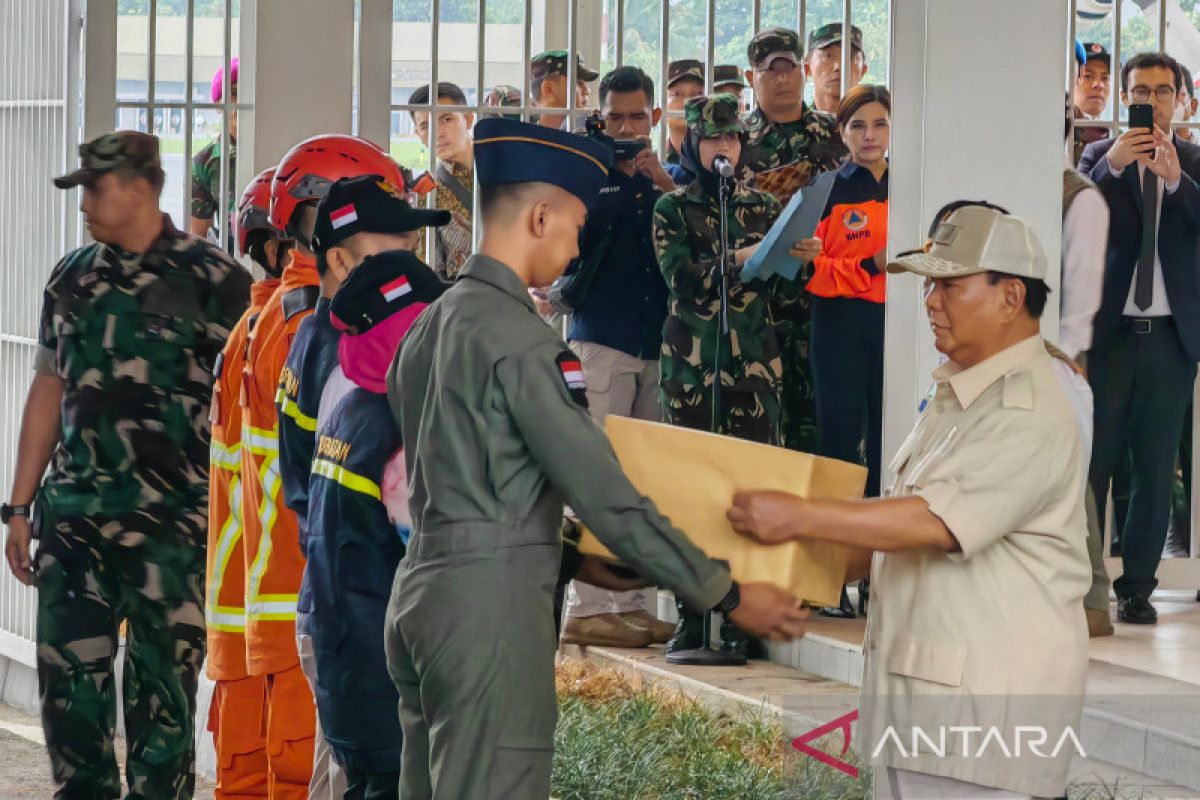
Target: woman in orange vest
x=849, y=257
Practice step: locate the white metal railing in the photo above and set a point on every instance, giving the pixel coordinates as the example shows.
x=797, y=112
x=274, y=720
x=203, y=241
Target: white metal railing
x=39, y=102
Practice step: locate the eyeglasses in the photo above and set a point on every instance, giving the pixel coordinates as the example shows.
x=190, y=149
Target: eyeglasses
x=1141, y=94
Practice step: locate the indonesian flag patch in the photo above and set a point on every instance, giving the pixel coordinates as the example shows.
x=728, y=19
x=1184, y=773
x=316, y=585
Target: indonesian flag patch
x=572, y=374
x=395, y=289
x=343, y=216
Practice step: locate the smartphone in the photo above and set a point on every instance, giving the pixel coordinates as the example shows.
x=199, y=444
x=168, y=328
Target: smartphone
x=1141, y=115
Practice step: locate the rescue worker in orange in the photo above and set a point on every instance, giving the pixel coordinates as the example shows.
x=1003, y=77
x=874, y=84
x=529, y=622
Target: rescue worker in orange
x=849, y=253
x=273, y=559
x=237, y=695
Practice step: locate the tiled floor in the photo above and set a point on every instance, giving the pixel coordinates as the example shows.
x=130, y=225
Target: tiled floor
x=1170, y=649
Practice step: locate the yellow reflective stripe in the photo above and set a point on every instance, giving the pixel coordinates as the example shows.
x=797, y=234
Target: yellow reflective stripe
x=231, y=619
x=273, y=607
x=259, y=441
x=223, y=618
x=351, y=480
x=226, y=458
x=288, y=406
x=268, y=513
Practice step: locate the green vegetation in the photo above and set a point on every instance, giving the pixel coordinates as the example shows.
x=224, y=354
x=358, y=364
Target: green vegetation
x=620, y=739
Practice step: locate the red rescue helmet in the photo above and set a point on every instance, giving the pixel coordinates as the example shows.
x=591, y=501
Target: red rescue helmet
x=311, y=167
x=254, y=209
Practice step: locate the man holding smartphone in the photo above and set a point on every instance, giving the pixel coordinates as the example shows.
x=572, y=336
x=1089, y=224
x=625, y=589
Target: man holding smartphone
x=619, y=302
x=1146, y=342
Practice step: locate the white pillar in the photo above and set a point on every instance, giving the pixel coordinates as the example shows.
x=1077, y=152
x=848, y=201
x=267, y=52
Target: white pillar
x=302, y=52
x=978, y=105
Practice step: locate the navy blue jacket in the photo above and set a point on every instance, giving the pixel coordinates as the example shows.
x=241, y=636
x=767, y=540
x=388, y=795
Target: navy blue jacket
x=353, y=551
x=627, y=303
x=1178, y=241
x=311, y=359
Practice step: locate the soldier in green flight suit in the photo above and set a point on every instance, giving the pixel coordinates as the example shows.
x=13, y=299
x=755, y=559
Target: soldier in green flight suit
x=687, y=241
x=788, y=144
x=493, y=415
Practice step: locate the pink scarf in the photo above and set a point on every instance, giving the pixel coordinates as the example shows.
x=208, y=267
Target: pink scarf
x=366, y=358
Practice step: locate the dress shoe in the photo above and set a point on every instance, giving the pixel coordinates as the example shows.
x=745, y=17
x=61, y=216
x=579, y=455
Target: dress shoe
x=1099, y=623
x=1136, y=610
x=737, y=642
x=643, y=620
x=604, y=630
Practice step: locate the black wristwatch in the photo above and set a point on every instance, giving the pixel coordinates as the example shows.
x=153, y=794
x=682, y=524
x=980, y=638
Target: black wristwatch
x=7, y=512
x=731, y=599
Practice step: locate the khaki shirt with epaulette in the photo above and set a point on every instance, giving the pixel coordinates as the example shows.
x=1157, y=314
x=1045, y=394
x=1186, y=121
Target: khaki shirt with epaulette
x=495, y=426
x=993, y=636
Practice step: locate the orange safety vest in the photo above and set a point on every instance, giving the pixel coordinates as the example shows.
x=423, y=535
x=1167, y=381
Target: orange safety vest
x=274, y=563
x=853, y=230
x=224, y=599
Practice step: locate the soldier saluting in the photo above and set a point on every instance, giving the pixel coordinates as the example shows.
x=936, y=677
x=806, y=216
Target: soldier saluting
x=492, y=410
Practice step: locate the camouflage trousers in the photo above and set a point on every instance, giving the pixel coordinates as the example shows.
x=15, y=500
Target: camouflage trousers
x=793, y=329
x=750, y=415
x=92, y=574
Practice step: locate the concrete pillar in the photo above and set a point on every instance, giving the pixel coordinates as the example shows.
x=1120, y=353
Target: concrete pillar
x=972, y=118
x=301, y=54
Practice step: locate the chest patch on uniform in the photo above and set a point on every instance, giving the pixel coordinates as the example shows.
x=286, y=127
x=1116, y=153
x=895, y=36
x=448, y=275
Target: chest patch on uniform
x=571, y=370
x=854, y=220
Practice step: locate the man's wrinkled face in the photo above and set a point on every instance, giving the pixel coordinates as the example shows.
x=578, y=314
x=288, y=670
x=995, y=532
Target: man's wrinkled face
x=965, y=315
x=825, y=67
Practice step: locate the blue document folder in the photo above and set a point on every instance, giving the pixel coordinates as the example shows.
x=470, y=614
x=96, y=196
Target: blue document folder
x=798, y=221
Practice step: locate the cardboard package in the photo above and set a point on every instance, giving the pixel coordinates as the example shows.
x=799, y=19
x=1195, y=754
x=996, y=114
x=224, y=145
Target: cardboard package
x=692, y=475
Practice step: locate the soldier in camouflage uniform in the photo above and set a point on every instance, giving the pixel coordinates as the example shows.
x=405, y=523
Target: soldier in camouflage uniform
x=687, y=241
x=130, y=331
x=503, y=96
x=788, y=144
x=206, y=164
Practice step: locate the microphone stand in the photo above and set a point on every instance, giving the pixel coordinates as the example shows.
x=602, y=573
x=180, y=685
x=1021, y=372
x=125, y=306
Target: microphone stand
x=705, y=655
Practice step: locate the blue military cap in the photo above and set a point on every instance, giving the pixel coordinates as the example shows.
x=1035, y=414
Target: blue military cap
x=508, y=151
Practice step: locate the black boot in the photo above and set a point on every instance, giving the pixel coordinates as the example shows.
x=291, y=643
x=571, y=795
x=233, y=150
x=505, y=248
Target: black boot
x=689, y=631
x=736, y=641
x=864, y=596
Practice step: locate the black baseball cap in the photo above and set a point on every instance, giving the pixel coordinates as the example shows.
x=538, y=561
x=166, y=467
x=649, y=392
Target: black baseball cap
x=367, y=204
x=1095, y=50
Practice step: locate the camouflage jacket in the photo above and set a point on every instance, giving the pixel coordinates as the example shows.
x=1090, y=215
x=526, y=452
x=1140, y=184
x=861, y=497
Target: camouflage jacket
x=134, y=339
x=811, y=142
x=687, y=243
x=206, y=180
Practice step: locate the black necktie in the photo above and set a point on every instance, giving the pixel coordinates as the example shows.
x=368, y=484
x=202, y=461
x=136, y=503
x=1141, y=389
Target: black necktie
x=1143, y=291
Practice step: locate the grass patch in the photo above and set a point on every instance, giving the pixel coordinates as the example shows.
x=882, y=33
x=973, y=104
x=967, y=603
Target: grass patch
x=619, y=738
x=622, y=738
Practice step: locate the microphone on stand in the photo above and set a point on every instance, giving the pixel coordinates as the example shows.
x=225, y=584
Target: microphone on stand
x=722, y=167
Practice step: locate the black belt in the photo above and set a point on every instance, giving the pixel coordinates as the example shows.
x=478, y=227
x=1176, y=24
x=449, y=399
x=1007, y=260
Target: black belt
x=1147, y=324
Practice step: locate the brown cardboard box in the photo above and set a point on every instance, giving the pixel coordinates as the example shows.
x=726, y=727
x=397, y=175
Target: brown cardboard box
x=691, y=476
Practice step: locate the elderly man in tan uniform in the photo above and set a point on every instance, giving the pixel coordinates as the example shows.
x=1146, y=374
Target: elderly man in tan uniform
x=976, y=641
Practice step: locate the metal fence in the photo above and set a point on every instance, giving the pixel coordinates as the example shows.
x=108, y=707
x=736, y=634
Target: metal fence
x=39, y=108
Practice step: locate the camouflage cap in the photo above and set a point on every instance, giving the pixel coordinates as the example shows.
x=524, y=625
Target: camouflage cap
x=729, y=75
x=503, y=95
x=684, y=69
x=774, y=42
x=714, y=115
x=554, y=62
x=128, y=150
x=831, y=34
